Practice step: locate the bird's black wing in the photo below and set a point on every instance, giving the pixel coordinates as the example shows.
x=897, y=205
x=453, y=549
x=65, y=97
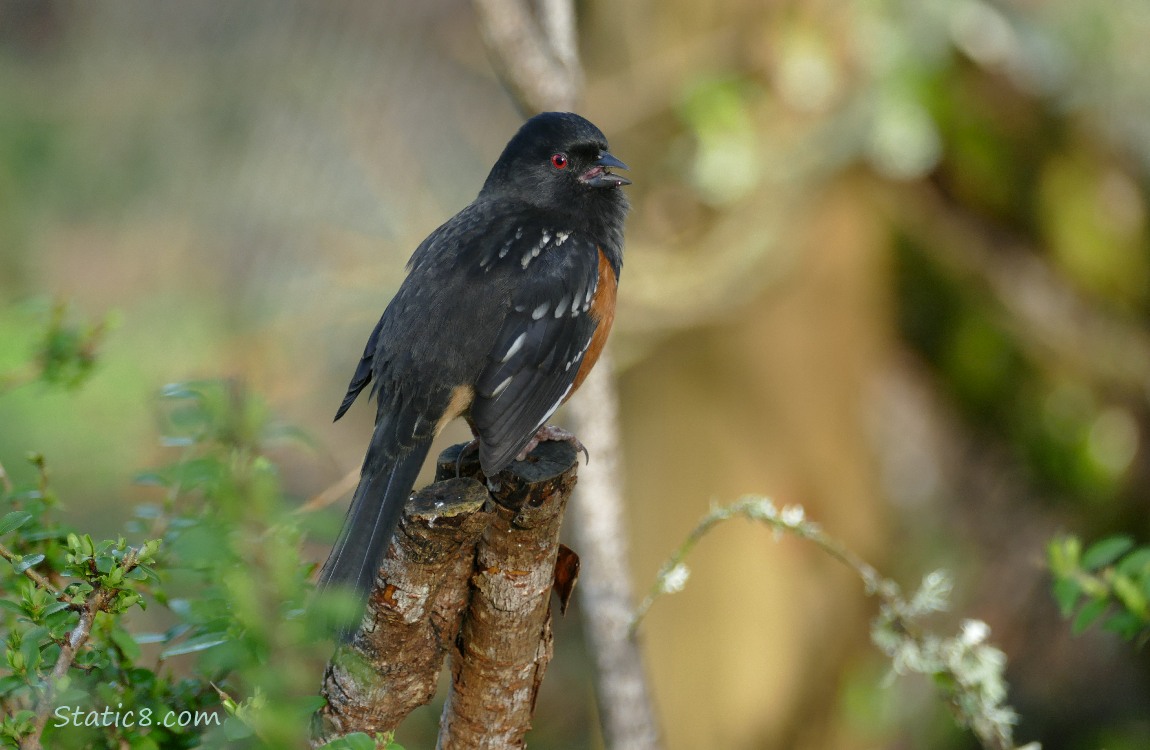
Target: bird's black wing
x=398, y=320
x=541, y=342
x=363, y=371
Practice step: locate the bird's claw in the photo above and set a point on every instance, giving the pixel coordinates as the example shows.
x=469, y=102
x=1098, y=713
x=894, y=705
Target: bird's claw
x=550, y=432
x=474, y=444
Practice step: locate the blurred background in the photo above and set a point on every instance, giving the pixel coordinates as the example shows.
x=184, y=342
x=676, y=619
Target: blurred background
x=886, y=259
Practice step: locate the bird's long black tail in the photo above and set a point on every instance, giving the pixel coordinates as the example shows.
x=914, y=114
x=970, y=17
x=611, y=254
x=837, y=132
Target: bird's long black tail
x=389, y=472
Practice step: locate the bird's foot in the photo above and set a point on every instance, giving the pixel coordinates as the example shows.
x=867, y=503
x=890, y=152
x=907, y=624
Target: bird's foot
x=550, y=432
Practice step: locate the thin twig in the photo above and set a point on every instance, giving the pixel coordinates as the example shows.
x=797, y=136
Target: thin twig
x=29, y=573
x=97, y=601
x=967, y=669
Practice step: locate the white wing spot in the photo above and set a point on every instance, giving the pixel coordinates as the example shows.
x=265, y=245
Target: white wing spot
x=538, y=248
x=559, y=308
x=578, y=356
x=540, y=311
x=501, y=387
x=555, y=406
x=516, y=345
x=561, y=237
x=518, y=233
x=505, y=249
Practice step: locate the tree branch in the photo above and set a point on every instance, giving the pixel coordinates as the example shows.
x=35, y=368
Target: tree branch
x=625, y=704
x=504, y=645
x=392, y=665
x=98, y=600
x=29, y=573
x=535, y=57
x=469, y=576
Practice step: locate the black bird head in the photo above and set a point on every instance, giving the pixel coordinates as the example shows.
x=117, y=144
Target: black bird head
x=557, y=159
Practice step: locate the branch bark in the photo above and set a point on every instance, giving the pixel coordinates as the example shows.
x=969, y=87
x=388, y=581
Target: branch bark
x=469, y=576
x=504, y=645
x=392, y=664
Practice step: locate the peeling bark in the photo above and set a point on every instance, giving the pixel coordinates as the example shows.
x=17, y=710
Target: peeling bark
x=468, y=576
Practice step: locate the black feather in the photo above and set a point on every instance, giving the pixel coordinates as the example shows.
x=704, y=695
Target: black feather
x=388, y=474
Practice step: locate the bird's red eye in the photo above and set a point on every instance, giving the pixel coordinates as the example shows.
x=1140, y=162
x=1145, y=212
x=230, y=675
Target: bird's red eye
x=559, y=161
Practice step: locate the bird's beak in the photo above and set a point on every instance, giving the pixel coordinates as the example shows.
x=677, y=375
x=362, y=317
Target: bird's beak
x=599, y=176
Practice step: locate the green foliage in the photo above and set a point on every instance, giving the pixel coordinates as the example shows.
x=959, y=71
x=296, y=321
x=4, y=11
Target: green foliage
x=64, y=355
x=66, y=647
x=219, y=554
x=361, y=741
x=1108, y=582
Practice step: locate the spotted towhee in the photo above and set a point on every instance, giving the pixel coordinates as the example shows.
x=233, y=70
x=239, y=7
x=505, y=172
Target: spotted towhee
x=504, y=311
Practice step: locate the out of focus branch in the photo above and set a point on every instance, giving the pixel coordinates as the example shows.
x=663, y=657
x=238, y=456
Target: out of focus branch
x=535, y=52
x=537, y=56
x=1046, y=314
x=625, y=705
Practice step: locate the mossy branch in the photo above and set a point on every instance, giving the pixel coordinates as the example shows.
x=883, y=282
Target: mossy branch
x=966, y=668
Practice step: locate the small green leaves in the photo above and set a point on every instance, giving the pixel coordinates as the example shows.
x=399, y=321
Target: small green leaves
x=201, y=642
x=14, y=520
x=234, y=587
x=1102, y=553
x=1108, y=583
x=21, y=563
x=361, y=741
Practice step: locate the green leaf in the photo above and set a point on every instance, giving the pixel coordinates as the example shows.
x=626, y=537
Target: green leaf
x=1102, y=553
x=201, y=642
x=354, y=741
x=1063, y=554
x=11, y=606
x=30, y=648
x=143, y=742
x=14, y=520
x=1136, y=564
x=126, y=643
x=1086, y=616
x=1129, y=593
x=310, y=704
x=27, y=562
x=10, y=683
x=1126, y=624
x=1066, y=593
x=235, y=729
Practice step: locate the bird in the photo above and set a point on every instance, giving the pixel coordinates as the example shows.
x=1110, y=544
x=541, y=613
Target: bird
x=503, y=312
